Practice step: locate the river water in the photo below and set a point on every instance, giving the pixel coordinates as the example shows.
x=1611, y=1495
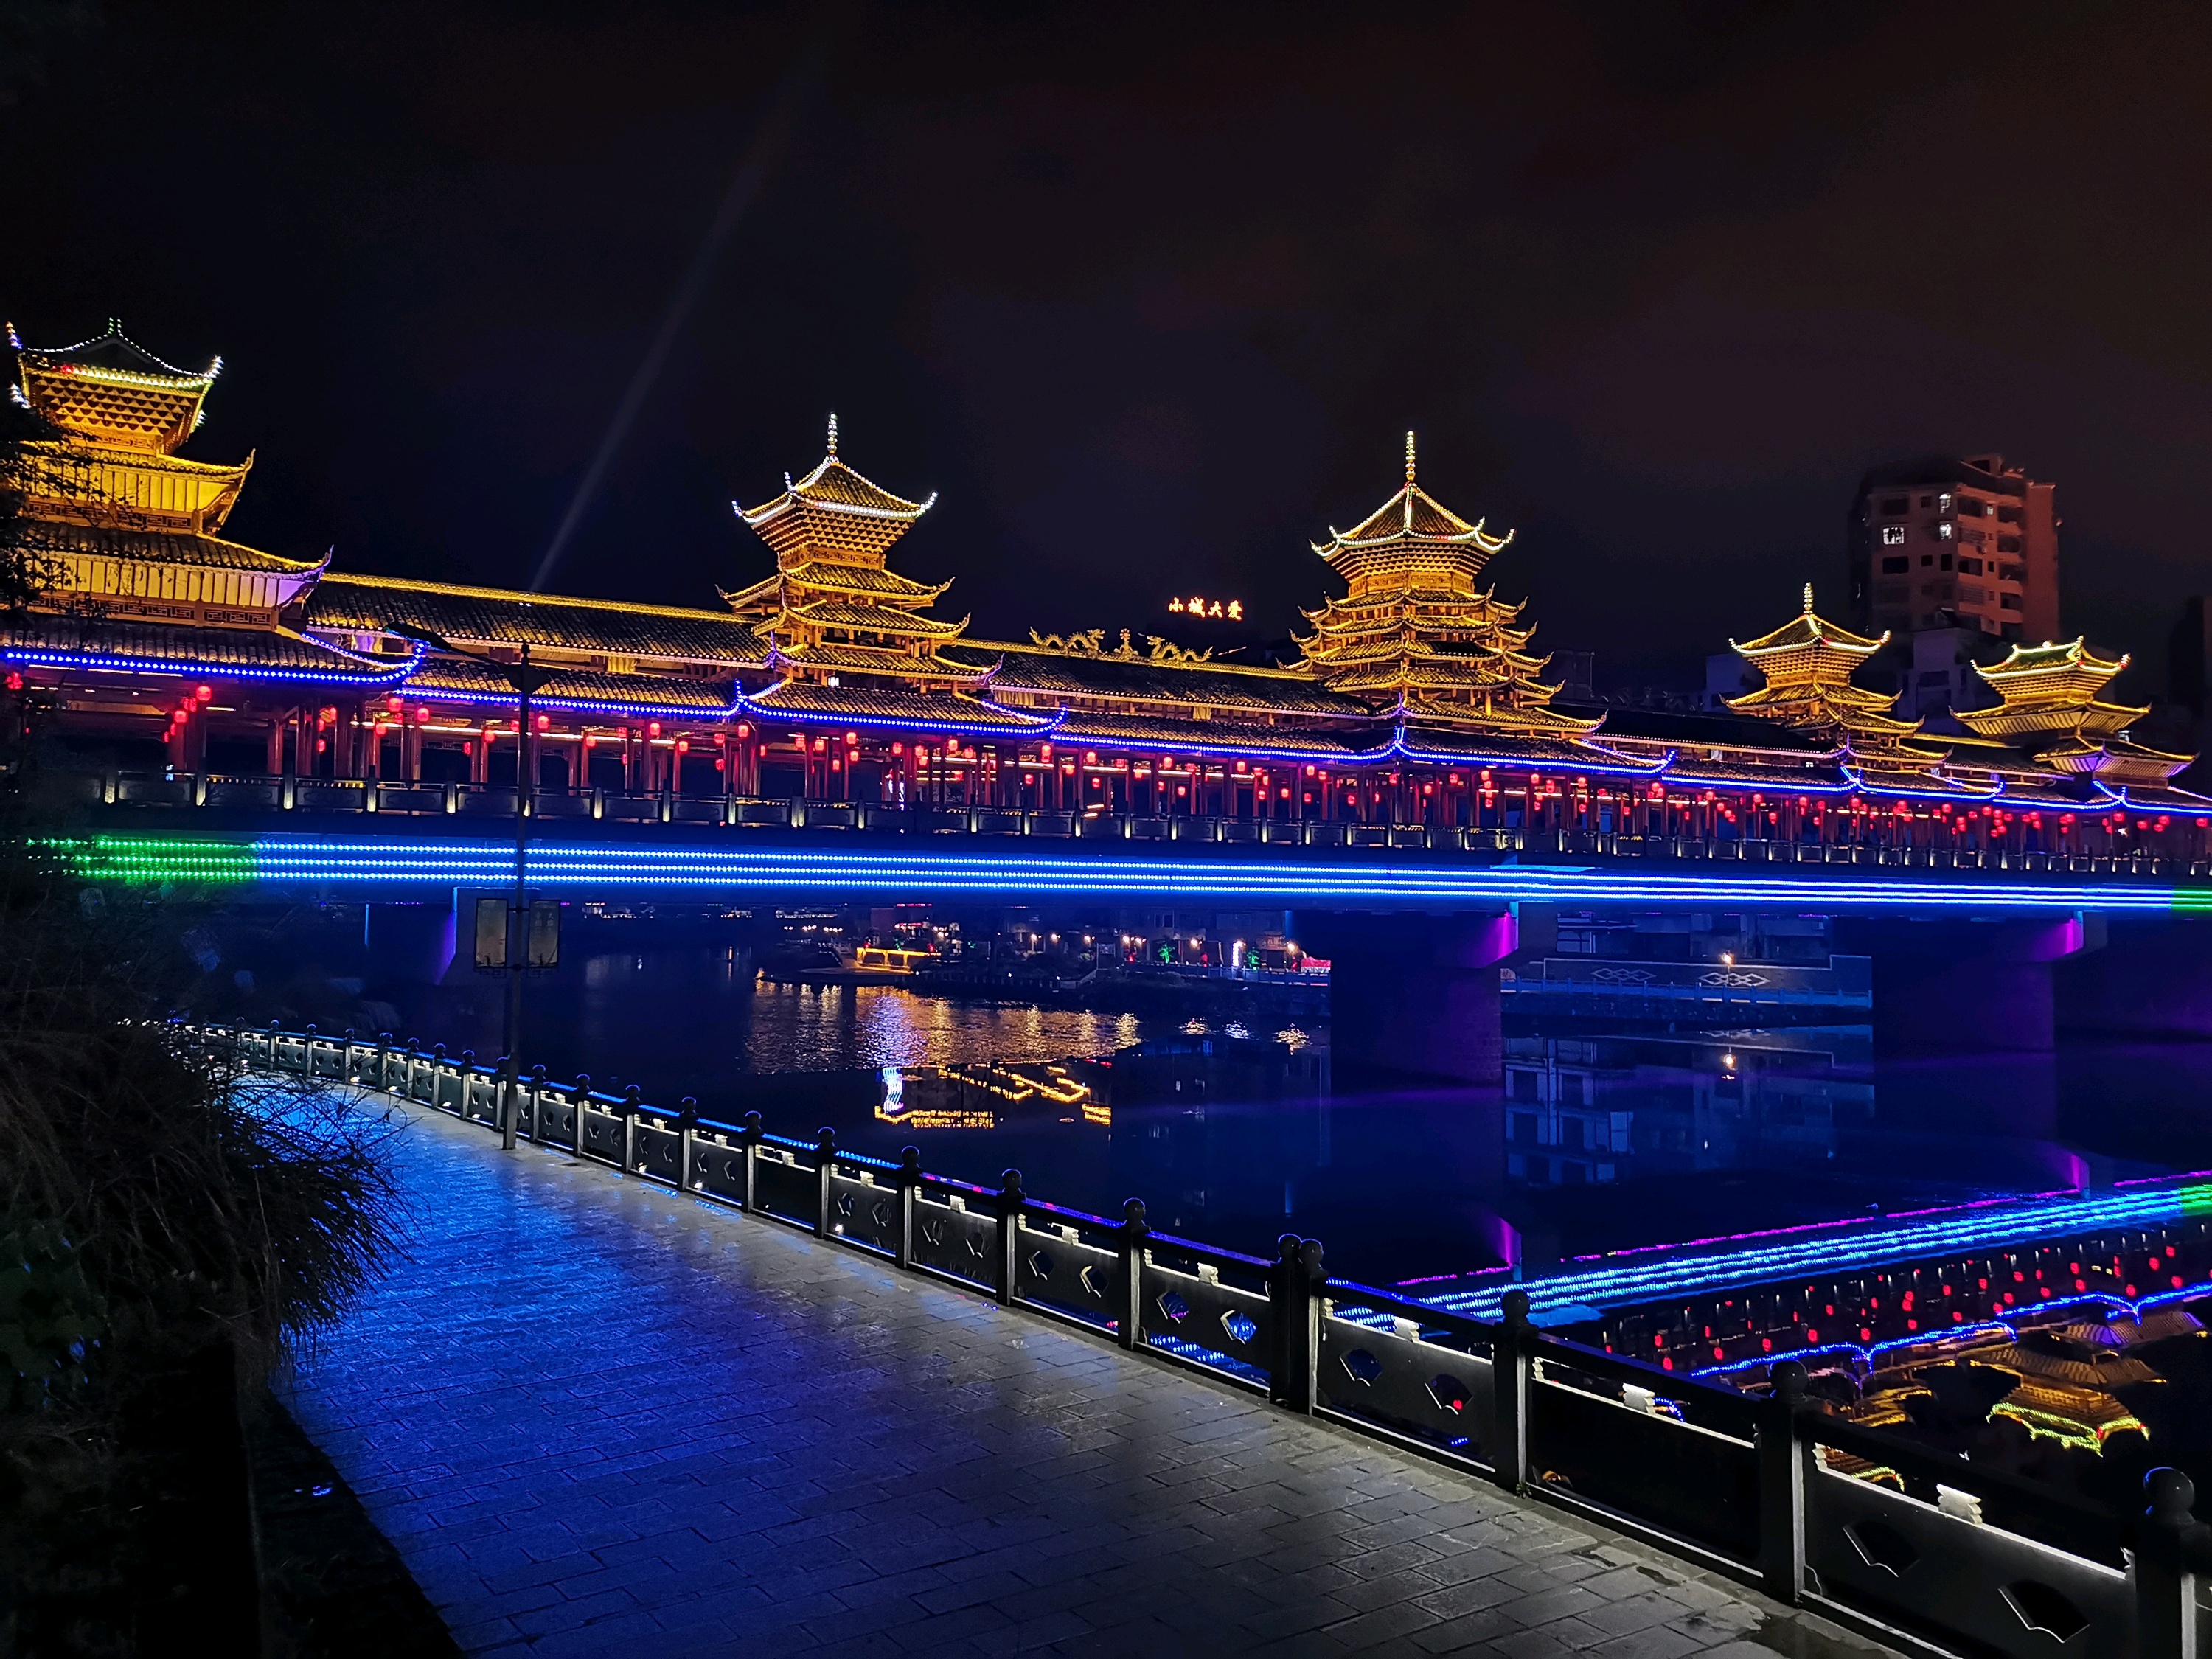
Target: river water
x=1606, y=1135
x=2077, y=1355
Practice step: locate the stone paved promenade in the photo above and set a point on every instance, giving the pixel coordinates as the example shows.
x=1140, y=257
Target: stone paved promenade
x=600, y=1419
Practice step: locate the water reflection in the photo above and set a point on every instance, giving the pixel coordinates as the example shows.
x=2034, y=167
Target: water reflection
x=1606, y=1134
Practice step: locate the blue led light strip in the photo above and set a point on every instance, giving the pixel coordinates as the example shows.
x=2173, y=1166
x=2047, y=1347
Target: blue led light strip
x=280, y=859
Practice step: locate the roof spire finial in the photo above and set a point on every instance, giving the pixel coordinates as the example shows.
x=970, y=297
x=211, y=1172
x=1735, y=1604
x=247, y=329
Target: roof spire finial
x=1409, y=458
x=1808, y=598
x=833, y=432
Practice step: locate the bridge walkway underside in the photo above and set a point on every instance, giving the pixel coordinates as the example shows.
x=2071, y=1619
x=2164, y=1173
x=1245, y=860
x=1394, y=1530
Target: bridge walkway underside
x=600, y=1419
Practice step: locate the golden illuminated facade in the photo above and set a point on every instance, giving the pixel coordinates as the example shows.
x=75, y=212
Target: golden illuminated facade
x=1808, y=664
x=834, y=607
x=831, y=679
x=122, y=521
x=1415, y=630
x=2050, y=709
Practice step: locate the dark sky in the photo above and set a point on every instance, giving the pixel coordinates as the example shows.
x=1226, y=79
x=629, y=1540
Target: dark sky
x=1151, y=296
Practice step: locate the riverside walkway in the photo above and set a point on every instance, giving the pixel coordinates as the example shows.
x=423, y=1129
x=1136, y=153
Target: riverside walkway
x=598, y=1417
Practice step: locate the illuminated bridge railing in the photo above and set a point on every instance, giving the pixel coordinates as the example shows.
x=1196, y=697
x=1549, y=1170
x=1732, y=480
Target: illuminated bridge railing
x=224, y=796
x=1772, y=1490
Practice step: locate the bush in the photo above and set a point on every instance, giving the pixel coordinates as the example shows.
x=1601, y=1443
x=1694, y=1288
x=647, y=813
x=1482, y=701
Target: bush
x=158, y=1209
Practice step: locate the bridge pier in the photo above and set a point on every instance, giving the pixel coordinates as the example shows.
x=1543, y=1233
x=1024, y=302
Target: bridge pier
x=2139, y=976
x=1971, y=985
x=1416, y=994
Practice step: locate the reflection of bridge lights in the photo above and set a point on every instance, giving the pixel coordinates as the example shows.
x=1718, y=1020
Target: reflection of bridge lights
x=1876, y=1355
x=1828, y=1247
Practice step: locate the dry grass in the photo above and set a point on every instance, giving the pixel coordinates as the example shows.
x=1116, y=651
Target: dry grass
x=192, y=1204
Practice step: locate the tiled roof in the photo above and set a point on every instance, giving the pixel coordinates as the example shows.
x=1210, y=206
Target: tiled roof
x=836, y=486
x=922, y=710
x=1209, y=685
x=160, y=547
x=1779, y=775
x=1221, y=737
x=1704, y=731
x=823, y=576
x=498, y=616
x=874, y=659
x=2180, y=800
x=874, y=618
x=41, y=640
x=623, y=694
x=1454, y=747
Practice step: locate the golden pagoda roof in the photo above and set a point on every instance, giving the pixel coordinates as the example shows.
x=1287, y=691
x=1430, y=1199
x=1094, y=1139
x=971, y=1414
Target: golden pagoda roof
x=859, y=580
x=1808, y=663
x=1412, y=515
x=161, y=547
x=859, y=615
x=2050, y=709
x=1807, y=631
x=2057, y=672
x=110, y=390
x=832, y=515
x=140, y=489
x=1412, y=534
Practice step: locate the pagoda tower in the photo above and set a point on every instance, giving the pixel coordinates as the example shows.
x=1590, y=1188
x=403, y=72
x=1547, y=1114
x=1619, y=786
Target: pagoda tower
x=1808, y=663
x=120, y=520
x=2050, y=708
x=1414, y=629
x=834, y=606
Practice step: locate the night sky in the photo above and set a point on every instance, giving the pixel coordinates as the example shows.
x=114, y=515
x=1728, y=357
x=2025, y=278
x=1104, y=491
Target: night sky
x=1152, y=296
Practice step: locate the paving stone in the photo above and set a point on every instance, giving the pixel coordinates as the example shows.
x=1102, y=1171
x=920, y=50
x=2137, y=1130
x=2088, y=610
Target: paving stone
x=597, y=1418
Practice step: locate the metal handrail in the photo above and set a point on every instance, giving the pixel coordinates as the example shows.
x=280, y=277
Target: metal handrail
x=1740, y=1484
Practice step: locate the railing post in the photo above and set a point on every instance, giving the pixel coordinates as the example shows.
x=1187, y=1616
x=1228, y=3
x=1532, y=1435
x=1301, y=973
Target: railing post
x=308, y=1050
x=629, y=1105
x=750, y=1186
x=1129, y=1294
x=582, y=1096
x=437, y=1077
x=1005, y=1258
x=1291, y=1284
x=1509, y=1367
x=1781, y=1487
x=345, y=1058
x=687, y=1128
x=465, y=1075
x=512, y=1087
x=506, y=1099
x=272, y=1045
x=825, y=1171
x=407, y=1081
x=537, y=1105
x=2165, y=1579
x=909, y=1182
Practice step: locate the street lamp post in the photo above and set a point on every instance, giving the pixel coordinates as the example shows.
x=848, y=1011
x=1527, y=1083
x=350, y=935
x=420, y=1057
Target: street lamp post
x=525, y=680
